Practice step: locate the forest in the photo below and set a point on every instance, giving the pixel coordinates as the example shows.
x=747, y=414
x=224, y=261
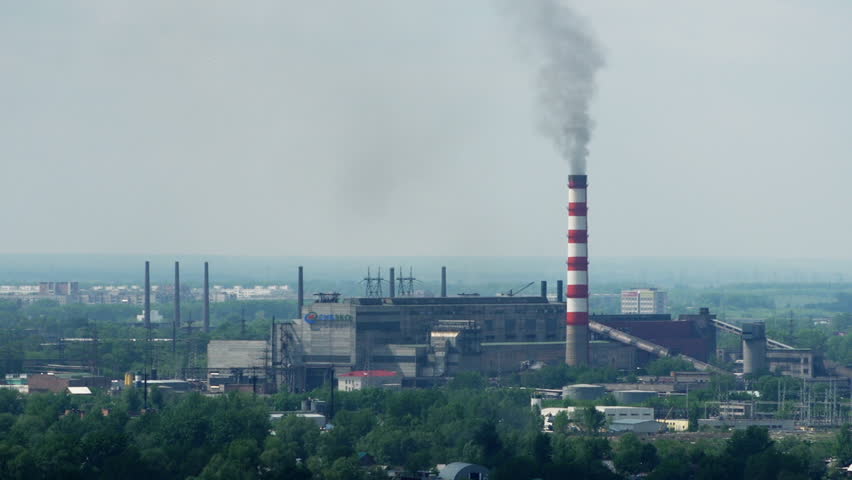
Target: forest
x=47, y=436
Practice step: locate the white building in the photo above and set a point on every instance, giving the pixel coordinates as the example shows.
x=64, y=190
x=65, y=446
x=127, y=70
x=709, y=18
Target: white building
x=356, y=380
x=155, y=317
x=644, y=301
x=612, y=413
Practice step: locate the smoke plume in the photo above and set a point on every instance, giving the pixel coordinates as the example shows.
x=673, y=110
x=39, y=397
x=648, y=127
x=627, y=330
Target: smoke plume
x=570, y=58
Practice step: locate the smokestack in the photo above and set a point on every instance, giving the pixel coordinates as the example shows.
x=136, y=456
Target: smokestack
x=176, y=321
x=577, y=293
x=392, y=289
x=205, y=308
x=443, y=281
x=559, y=291
x=543, y=289
x=147, y=295
x=177, y=294
x=300, y=294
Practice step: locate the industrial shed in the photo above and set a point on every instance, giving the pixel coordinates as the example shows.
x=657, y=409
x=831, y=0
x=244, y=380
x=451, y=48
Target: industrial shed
x=635, y=425
x=463, y=471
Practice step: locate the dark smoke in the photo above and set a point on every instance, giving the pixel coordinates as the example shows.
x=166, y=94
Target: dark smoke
x=570, y=58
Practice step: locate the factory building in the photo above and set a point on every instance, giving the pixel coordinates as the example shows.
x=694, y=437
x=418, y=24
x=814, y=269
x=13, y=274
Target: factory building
x=236, y=362
x=799, y=362
x=421, y=338
x=693, y=334
x=644, y=301
x=427, y=339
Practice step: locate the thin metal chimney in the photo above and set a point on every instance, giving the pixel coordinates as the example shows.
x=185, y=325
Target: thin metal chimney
x=443, y=281
x=147, y=314
x=577, y=294
x=560, y=291
x=544, y=289
x=301, y=294
x=205, y=308
x=176, y=321
x=392, y=281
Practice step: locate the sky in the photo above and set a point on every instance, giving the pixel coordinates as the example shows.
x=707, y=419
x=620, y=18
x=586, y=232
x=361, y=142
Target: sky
x=382, y=127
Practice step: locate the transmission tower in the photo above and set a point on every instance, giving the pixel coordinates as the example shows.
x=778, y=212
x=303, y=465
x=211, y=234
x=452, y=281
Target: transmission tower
x=406, y=284
x=373, y=285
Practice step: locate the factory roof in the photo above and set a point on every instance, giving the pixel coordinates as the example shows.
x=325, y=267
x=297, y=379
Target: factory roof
x=447, y=300
x=631, y=421
x=370, y=373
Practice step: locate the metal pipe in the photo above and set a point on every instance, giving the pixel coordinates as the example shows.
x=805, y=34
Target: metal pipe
x=391, y=282
x=560, y=291
x=443, y=281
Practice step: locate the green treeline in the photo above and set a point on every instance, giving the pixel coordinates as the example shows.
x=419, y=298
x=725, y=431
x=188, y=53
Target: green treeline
x=231, y=437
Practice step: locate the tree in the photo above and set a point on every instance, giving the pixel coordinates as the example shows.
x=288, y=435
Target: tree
x=843, y=445
x=666, y=365
x=467, y=381
x=633, y=456
x=590, y=420
x=561, y=422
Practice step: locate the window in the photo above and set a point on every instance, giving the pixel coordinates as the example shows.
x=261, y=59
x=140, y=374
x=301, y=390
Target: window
x=529, y=324
x=489, y=325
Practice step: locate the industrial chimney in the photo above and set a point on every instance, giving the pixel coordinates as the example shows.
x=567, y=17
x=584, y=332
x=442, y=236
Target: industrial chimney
x=391, y=283
x=577, y=291
x=300, y=295
x=443, y=281
x=177, y=294
x=147, y=315
x=205, y=312
x=176, y=321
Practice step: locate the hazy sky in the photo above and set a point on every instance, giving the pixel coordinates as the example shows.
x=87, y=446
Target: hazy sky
x=408, y=128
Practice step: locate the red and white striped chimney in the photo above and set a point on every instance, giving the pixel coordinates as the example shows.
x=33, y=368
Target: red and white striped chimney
x=577, y=285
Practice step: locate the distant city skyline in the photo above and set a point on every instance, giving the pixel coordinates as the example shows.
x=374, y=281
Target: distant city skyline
x=408, y=129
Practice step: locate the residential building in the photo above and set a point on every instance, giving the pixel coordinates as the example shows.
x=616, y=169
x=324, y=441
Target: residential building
x=644, y=301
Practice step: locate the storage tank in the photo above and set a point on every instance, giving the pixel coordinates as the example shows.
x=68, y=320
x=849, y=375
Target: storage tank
x=630, y=397
x=582, y=391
